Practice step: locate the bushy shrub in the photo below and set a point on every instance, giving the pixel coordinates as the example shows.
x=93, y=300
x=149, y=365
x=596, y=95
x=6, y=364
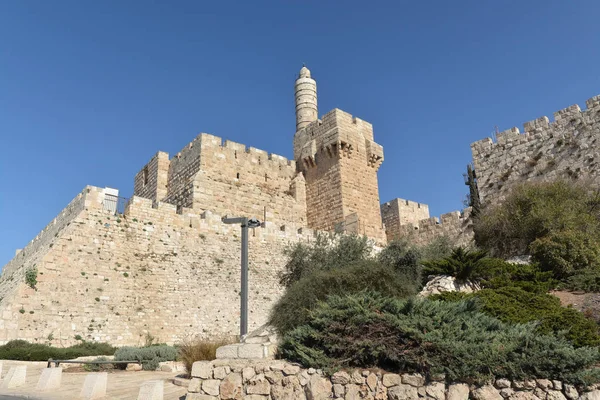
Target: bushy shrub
x=533, y=211
x=586, y=280
x=515, y=305
x=31, y=276
x=149, y=356
x=565, y=252
x=464, y=265
x=293, y=307
x=99, y=366
x=192, y=350
x=431, y=337
x=495, y=273
x=25, y=351
x=327, y=252
x=403, y=258
x=439, y=247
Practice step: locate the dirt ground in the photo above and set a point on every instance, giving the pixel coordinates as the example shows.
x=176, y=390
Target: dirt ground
x=588, y=303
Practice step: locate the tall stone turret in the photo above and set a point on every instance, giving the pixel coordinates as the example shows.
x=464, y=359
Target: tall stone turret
x=306, y=99
x=339, y=160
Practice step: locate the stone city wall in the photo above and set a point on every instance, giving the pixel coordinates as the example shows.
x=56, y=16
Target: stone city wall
x=281, y=380
x=116, y=278
x=229, y=179
x=565, y=148
x=456, y=226
x=151, y=181
x=31, y=256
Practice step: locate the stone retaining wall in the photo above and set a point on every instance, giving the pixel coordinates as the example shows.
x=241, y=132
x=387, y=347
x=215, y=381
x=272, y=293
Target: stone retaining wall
x=281, y=380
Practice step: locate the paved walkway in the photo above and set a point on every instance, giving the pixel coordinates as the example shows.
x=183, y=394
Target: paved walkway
x=122, y=385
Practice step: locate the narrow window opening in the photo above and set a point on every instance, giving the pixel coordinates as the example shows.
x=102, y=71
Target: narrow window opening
x=237, y=176
x=235, y=154
x=145, y=175
x=179, y=209
x=266, y=177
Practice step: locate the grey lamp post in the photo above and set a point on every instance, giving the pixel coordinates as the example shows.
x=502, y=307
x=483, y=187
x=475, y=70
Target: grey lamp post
x=245, y=223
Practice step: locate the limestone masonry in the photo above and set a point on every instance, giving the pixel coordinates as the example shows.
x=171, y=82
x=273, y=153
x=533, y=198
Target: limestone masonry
x=167, y=266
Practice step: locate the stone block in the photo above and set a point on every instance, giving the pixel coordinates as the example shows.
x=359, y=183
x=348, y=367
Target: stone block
x=152, y=390
x=94, y=386
x=251, y=351
x=198, y=396
x=15, y=377
x=403, y=392
x=228, y=351
x=458, y=391
x=202, y=369
x=211, y=386
x=50, y=379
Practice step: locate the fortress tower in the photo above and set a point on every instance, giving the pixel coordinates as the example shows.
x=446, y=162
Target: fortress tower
x=339, y=160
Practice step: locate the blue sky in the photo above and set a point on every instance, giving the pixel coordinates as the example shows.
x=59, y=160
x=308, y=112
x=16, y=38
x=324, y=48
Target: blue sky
x=90, y=90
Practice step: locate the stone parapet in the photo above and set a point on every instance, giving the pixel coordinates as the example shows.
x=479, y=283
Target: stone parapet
x=564, y=148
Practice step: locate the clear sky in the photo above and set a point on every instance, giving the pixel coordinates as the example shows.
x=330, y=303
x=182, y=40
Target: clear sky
x=90, y=90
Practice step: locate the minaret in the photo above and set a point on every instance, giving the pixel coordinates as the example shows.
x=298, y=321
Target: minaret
x=306, y=99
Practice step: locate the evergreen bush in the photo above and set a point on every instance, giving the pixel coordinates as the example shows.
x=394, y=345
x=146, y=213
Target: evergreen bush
x=367, y=329
x=25, y=351
x=293, y=308
x=149, y=356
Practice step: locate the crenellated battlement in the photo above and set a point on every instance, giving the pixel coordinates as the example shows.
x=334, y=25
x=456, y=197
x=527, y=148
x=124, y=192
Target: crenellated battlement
x=542, y=127
x=564, y=147
x=239, y=151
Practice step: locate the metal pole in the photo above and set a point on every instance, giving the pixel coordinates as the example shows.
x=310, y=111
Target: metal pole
x=244, y=292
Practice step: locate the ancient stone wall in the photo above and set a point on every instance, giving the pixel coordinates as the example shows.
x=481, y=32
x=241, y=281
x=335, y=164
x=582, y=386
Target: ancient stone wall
x=115, y=278
x=398, y=212
x=227, y=178
x=151, y=181
x=340, y=160
x=456, y=226
x=568, y=148
x=32, y=255
x=282, y=380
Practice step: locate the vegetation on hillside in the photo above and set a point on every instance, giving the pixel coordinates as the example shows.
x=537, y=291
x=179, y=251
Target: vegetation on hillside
x=345, y=307
x=25, y=351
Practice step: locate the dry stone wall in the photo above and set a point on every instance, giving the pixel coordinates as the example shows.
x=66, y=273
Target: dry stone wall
x=281, y=380
x=116, y=278
x=568, y=148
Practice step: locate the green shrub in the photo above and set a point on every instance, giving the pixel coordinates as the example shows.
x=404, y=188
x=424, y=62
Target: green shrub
x=192, y=350
x=565, y=252
x=324, y=254
x=586, y=280
x=431, y=337
x=439, y=247
x=515, y=305
x=31, y=276
x=404, y=259
x=25, y=351
x=496, y=273
x=292, y=309
x=149, y=356
x=98, y=367
x=534, y=210
x=463, y=264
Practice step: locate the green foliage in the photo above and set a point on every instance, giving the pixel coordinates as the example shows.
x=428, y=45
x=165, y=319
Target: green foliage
x=439, y=247
x=31, y=276
x=463, y=264
x=515, y=305
x=586, y=280
x=293, y=308
x=564, y=252
x=25, y=351
x=496, y=273
x=149, y=356
x=560, y=217
x=431, y=337
x=98, y=367
x=324, y=254
x=403, y=258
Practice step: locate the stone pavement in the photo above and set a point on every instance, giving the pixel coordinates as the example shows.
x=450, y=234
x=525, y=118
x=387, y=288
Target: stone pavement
x=122, y=385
